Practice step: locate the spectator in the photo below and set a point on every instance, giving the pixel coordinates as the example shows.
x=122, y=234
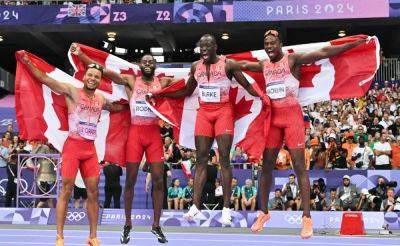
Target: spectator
x=283, y=160
x=395, y=128
x=187, y=195
x=375, y=127
x=361, y=132
x=276, y=203
x=218, y=194
x=112, y=188
x=385, y=122
x=212, y=173
x=235, y=194
x=333, y=203
x=80, y=193
x=174, y=194
x=363, y=203
x=349, y=145
x=382, y=151
x=238, y=156
x=3, y=154
x=338, y=156
x=396, y=154
x=290, y=191
x=249, y=195
x=362, y=156
x=7, y=140
x=14, y=144
x=348, y=194
x=319, y=155
x=11, y=189
x=318, y=202
x=389, y=202
x=166, y=131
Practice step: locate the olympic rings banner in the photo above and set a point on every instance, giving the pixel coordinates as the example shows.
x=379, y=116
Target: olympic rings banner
x=143, y=217
x=224, y=11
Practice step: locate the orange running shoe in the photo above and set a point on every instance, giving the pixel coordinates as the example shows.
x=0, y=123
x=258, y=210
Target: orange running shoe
x=59, y=241
x=307, y=230
x=93, y=242
x=258, y=225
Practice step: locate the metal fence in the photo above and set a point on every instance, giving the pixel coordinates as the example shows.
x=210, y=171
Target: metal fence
x=389, y=70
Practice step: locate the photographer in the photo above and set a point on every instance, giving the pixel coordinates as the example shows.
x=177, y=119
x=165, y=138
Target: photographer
x=333, y=203
x=362, y=156
x=389, y=203
x=290, y=191
x=363, y=203
x=348, y=194
x=276, y=203
x=379, y=193
x=318, y=202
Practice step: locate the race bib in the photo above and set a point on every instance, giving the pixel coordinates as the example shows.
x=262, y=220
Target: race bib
x=87, y=130
x=141, y=109
x=210, y=93
x=276, y=90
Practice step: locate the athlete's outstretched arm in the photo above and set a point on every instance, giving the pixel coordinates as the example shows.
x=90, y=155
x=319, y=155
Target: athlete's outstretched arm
x=187, y=90
x=128, y=80
x=251, y=66
x=57, y=86
x=114, y=107
x=234, y=69
x=325, y=52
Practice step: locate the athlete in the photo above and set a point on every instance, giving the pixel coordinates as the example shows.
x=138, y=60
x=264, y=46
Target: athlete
x=84, y=109
x=282, y=76
x=212, y=74
x=144, y=137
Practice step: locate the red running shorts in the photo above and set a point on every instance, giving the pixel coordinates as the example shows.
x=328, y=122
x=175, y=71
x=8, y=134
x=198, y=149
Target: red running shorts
x=214, y=121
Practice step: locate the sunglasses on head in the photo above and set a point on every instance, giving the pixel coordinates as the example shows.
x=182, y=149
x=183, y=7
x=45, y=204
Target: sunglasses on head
x=95, y=66
x=271, y=32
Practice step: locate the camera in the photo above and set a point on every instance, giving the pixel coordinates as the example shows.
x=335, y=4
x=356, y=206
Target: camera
x=397, y=204
x=359, y=164
x=372, y=198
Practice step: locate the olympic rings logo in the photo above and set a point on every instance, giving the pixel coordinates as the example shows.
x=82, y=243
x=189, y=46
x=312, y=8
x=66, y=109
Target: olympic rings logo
x=75, y=216
x=293, y=219
x=3, y=186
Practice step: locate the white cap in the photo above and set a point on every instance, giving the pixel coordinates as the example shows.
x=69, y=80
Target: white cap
x=346, y=177
x=364, y=191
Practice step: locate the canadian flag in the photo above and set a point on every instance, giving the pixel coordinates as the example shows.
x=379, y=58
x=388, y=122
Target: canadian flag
x=41, y=114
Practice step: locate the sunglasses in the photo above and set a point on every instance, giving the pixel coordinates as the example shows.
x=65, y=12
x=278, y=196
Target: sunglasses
x=271, y=32
x=95, y=66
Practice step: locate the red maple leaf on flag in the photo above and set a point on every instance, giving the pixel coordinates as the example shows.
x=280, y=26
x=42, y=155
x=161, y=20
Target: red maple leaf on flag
x=242, y=107
x=308, y=72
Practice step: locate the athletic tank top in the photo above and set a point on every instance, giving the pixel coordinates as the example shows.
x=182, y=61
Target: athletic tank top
x=216, y=90
x=141, y=114
x=281, y=86
x=85, y=116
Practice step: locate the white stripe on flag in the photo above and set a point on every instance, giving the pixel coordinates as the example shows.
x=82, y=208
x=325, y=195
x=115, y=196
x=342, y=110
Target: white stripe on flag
x=53, y=133
x=102, y=131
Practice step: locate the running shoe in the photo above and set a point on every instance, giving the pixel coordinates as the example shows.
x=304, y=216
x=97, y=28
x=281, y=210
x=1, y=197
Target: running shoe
x=159, y=234
x=258, y=225
x=93, y=242
x=59, y=241
x=307, y=230
x=125, y=237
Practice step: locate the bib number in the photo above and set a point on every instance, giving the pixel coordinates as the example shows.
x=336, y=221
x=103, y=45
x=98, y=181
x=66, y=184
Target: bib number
x=210, y=93
x=87, y=130
x=276, y=90
x=141, y=109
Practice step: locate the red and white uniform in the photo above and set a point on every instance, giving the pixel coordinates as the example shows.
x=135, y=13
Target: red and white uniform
x=79, y=151
x=144, y=132
x=287, y=118
x=215, y=115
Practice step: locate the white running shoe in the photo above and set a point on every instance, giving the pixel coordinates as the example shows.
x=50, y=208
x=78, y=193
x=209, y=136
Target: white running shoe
x=226, y=218
x=192, y=213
